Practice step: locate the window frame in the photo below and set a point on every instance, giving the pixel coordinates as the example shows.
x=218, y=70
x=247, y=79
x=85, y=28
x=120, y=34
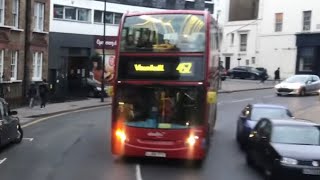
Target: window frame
x=308, y=21
x=15, y=13
x=63, y=11
x=39, y=16
x=243, y=44
x=37, y=73
x=2, y=11
x=278, y=24
x=1, y=63
x=14, y=63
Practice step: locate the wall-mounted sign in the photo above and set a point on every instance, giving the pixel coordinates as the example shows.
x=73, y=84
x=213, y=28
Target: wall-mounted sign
x=110, y=43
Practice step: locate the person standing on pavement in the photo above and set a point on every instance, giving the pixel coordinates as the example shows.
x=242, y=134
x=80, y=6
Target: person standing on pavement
x=277, y=75
x=32, y=94
x=43, y=92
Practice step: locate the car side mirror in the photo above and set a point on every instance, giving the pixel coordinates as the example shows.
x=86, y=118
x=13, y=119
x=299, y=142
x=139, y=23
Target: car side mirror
x=13, y=113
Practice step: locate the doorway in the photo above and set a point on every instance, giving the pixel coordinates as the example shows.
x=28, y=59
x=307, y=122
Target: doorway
x=227, y=63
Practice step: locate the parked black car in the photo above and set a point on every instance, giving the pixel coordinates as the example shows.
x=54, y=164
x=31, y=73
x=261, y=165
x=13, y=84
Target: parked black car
x=285, y=149
x=94, y=89
x=223, y=73
x=247, y=72
x=10, y=128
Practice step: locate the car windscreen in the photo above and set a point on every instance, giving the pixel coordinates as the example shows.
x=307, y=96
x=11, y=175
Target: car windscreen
x=297, y=79
x=163, y=33
x=271, y=113
x=160, y=106
x=304, y=135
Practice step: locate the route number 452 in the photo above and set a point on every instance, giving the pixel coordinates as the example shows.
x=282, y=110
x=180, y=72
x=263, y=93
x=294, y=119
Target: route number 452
x=184, y=68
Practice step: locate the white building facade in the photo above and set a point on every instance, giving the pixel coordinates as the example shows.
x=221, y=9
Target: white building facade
x=286, y=34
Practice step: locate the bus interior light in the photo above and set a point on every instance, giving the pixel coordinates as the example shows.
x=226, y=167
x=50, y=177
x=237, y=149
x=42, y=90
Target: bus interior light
x=192, y=140
x=121, y=135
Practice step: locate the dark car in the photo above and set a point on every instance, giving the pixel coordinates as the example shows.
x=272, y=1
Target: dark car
x=285, y=149
x=247, y=72
x=223, y=73
x=252, y=113
x=10, y=129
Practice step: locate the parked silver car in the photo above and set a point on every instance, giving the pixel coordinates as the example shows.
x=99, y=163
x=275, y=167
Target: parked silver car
x=299, y=85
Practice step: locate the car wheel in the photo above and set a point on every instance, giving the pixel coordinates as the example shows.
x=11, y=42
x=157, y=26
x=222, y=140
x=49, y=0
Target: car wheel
x=278, y=94
x=302, y=92
x=223, y=78
x=252, y=77
x=232, y=76
x=19, y=135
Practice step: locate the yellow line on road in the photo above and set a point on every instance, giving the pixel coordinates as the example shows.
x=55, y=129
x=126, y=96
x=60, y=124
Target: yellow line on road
x=58, y=115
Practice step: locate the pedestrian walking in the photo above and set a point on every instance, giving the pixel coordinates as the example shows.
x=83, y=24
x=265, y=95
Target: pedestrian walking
x=43, y=92
x=277, y=75
x=32, y=93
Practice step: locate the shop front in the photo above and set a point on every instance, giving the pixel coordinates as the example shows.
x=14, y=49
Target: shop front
x=308, y=53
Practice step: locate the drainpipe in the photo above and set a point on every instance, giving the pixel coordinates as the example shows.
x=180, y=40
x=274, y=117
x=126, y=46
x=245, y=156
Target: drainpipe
x=26, y=47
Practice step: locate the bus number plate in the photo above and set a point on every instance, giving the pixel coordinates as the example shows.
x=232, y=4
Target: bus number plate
x=155, y=154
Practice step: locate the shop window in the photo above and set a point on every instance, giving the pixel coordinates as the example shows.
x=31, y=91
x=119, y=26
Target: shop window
x=306, y=59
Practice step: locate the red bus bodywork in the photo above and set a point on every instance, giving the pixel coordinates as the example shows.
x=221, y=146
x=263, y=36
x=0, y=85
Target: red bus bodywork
x=191, y=143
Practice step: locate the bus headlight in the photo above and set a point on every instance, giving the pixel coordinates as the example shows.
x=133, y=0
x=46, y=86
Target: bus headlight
x=192, y=140
x=121, y=135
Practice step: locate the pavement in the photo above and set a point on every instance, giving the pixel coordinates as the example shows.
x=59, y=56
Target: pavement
x=237, y=85
x=77, y=146
x=27, y=114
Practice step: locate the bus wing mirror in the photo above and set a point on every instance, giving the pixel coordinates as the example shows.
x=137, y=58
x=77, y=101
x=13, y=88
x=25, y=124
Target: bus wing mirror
x=110, y=91
x=211, y=97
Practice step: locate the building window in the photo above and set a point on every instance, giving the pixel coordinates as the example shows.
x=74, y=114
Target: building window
x=15, y=13
x=37, y=65
x=189, y=5
x=232, y=39
x=210, y=7
x=14, y=65
x=253, y=60
x=117, y=18
x=279, y=22
x=58, y=11
x=2, y=8
x=243, y=42
x=111, y=18
x=70, y=13
x=98, y=16
x=306, y=59
x=306, y=20
x=170, y=4
x=39, y=17
x=84, y=15
x=1, y=63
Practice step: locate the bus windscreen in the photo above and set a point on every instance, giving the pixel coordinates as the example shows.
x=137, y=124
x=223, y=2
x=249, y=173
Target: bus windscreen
x=161, y=68
x=160, y=107
x=163, y=33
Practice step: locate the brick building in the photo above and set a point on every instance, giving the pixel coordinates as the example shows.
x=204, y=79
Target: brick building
x=23, y=46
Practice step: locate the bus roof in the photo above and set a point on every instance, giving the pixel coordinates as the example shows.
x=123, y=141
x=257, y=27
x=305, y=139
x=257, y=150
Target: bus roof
x=196, y=12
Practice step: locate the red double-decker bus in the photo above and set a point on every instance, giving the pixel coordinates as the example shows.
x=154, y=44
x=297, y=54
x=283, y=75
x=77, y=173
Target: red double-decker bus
x=164, y=100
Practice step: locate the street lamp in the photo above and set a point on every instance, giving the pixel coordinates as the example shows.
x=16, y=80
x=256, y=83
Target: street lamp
x=103, y=50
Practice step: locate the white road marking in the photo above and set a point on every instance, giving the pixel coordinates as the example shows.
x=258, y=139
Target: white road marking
x=138, y=172
x=241, y=100
x=62, y=114
x=29, y=139
x=269, y=96
x=3, y=160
